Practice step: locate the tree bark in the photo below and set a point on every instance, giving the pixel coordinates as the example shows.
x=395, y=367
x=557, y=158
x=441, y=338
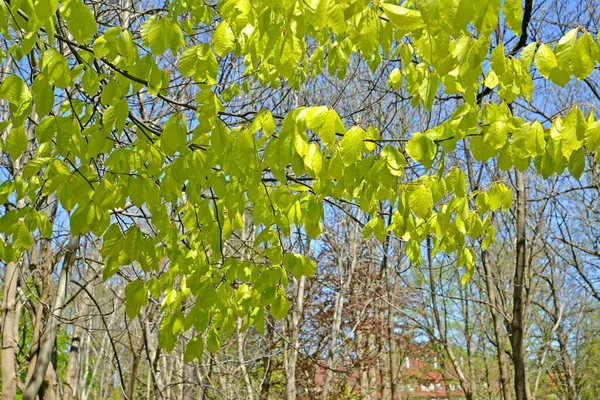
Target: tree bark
x=241, y=361
x=49, y=337
x=9, y=338
x=517, y=324
x=266, y=360
x=562, y=339
x=291, y=390
x=442, y=329
x=345, y=281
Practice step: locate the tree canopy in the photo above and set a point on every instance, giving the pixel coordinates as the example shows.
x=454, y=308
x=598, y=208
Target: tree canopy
x=172, y=192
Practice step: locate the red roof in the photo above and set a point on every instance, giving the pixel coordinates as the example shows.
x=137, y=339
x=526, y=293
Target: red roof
x=417, y=378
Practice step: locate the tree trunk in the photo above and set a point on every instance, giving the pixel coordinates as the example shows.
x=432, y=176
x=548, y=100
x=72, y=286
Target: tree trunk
x=74, y=363
x=345, y=281
x=49, y=337
x=442, y=329
x=491, y=291
x=498, y=330
x=266, y=360
x=291, y=390
x=517, y=323
x=9, y=337
x=241, y=361
x=562, y=339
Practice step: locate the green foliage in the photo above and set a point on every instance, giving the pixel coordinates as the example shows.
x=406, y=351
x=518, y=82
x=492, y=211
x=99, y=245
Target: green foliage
x=203, y=171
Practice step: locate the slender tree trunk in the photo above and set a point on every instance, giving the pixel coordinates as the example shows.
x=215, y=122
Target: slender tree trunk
x=562, y=339
x=442, y=329
x=491, y=291
x=74, y=362
x=391, y=323
x=49, y=337
x=242, y=362
x=345, y=281
x=291, y=390
x=266, y=360
x=9, y=338
x=498, y=330
x=517, y=323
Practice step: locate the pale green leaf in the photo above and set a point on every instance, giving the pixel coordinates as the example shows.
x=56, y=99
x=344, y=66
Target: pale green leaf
x=80, y=20
x=351, y=145
x=223, y=39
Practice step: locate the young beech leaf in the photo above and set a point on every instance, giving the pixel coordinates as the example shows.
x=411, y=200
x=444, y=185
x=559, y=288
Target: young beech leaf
x=136, y=297
x=351, y=145
x=545, y=60
x=43, y=96
x=513, y=14
x=422, y=149
x=403, y=18
x=194, y=349
x=577, y=163
x=584, y=56
x=280, y=305
x=80, y=20
x=15, y=91
x=16, y=142
x=223, y=39
x=22, y=239
x=314, y=159
x=420, y=201
x=213, y=342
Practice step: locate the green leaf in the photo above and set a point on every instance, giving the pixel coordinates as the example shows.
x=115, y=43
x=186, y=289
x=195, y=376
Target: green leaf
x=43, y=96
x=328, y=129
x=422, y=149
x=496, y=135
x=173, y=136
x=223, y=39
x=299, y=265
x=280, y=305
x=583, y=56
x=16, y=92
x=527, y=54
x=136, y=297
x=545, y=61
x=486, y=16
x=320, y=19
x=213, y=342
x=499, y=195
x=16, y=142
x=394, y=159
x=403, y=18
x=56, y=69
x=351, y=145
x=577, y=163
x=45, y=8
x=33, y=166
x=194, y=349
x=420, y=201
x=80, y=20
x=314, y=159
x=458, y=181
x=154, y=34
x=207, y=296
x=22, y=239
x=82, y=218
x=592, y=136
x=315, y=117
x=513, y=14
